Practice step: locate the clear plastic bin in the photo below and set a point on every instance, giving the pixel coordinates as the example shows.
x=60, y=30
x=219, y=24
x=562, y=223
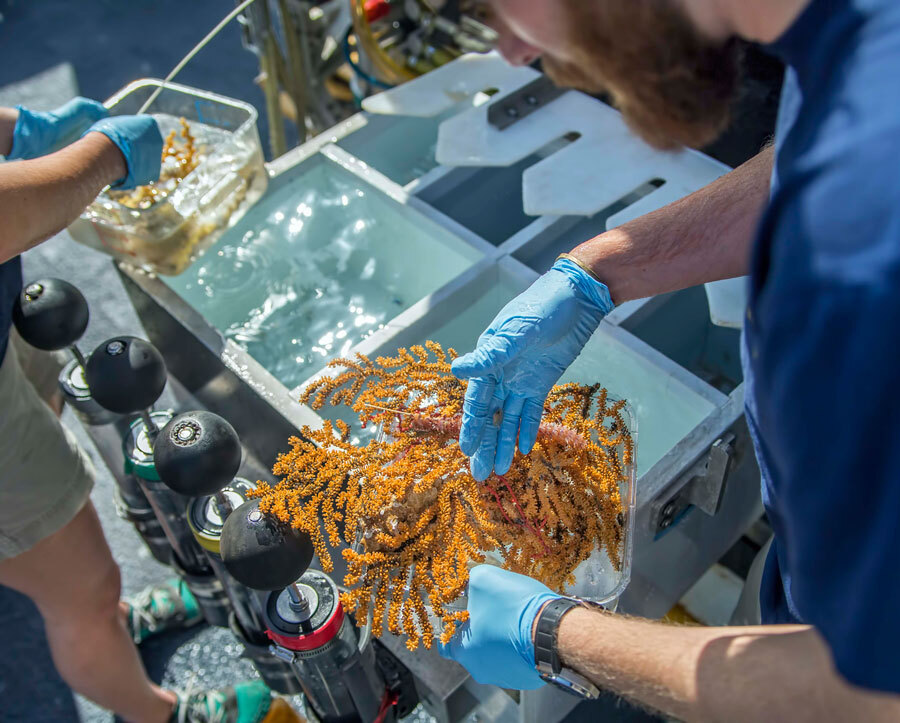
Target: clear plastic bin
x=166, y=237
x=597, y=580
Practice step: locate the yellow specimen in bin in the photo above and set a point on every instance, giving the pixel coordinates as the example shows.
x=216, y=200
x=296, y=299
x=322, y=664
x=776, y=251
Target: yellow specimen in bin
x=180, y=156
x=409, y=515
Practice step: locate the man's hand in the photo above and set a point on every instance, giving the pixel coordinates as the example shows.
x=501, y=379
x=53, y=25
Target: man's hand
x=762, y=672
x=523, y=353
x=496, y=646
x=141, y=144
x=40, y=133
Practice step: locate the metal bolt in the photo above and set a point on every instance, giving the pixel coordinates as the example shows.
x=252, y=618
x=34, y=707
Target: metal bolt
x=150, y=426
x=669, y=510
x=531, y=100
x=512, y=112
x=185, y=433
x=79, y=357
x=665, y=523
x=33, y=291
x=223, y=504
x=299, y=604
x=114, y=348
x=255, y=516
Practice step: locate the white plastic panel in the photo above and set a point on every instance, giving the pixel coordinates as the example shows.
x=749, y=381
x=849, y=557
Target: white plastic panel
x=604, y=164
x=728, y=302
x=441, y=89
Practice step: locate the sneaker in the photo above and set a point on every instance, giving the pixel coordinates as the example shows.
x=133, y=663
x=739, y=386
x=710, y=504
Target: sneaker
x=250, y=702
x=167, y=606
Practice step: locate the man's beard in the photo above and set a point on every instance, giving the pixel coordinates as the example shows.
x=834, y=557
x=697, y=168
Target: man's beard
x=672, y=85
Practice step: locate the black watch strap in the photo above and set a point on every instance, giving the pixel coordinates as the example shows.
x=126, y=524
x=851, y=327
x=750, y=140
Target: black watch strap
x=546, y=656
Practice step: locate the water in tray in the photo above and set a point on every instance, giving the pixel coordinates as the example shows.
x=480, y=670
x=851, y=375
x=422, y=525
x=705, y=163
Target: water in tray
x=316, y=267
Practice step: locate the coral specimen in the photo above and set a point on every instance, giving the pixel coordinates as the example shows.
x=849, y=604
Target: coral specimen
x=410, y=517
x=180, y=156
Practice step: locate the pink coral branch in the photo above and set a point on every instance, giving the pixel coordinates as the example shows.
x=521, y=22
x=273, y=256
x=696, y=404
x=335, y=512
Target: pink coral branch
x=524, y=517
x=449, y=426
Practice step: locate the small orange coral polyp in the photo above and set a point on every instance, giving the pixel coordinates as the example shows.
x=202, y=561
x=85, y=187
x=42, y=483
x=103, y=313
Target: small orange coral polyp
x=410, y=519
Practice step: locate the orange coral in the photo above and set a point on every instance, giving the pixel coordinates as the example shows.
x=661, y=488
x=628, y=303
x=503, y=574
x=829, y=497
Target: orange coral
x=179, y=157
x=410, y=517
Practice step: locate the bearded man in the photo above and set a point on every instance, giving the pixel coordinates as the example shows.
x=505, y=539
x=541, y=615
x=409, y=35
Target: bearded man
x=815, y=222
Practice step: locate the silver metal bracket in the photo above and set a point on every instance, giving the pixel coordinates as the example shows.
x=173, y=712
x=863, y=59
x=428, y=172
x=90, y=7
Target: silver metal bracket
x=282, y=653
x=703, y=487
x=523, y=102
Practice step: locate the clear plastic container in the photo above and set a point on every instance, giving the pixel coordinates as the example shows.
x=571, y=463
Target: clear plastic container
x=166, y=237
x=597, y=580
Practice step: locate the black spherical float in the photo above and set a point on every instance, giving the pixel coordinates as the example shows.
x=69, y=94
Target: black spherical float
x=197, y=454
x=50, y=314
x=126, y=374
x=261, y=552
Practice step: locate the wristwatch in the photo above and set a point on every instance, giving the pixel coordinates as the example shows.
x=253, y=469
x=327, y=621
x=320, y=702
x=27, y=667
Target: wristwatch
x=546, y=655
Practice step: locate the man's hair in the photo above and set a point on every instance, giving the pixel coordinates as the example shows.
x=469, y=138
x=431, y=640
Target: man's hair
x=672, y=84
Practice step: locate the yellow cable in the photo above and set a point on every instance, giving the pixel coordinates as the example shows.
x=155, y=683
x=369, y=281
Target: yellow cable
x=388, y=70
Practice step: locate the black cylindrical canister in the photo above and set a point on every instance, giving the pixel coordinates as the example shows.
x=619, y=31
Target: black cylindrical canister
x=74, y=388
x=209, y=593
x=132, y=505
x=169, y=506
x=340, y=681
x=206, y=518
x=278, y=674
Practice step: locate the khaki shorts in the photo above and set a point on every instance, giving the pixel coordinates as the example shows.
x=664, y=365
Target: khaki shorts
x=45, y=477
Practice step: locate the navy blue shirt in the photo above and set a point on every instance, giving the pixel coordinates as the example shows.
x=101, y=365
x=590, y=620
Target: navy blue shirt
x=822, y=338
x=10, y=286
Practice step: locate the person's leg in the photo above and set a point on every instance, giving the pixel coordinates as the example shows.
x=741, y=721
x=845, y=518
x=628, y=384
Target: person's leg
x=53, y=550
x=74, y=581
x=42, y=369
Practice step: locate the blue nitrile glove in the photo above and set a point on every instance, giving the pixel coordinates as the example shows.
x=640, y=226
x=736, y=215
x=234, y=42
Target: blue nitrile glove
x=496, y=645
x=39, y=133
x=140, y=141
x=523, y=353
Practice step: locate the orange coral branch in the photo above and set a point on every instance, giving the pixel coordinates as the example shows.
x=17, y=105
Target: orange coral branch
x=410, y=518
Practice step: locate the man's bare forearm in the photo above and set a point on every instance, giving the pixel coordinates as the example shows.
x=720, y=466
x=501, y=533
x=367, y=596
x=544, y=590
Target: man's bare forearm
x=770, y=672
x=706, y=236
x=41, y=197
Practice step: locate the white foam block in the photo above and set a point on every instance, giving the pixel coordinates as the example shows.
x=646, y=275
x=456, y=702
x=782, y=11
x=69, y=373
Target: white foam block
x=441, y=89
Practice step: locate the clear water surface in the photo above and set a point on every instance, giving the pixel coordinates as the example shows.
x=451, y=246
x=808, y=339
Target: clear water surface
x=318, y=265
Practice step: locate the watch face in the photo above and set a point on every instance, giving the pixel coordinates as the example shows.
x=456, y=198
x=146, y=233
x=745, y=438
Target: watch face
x=573, y=683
